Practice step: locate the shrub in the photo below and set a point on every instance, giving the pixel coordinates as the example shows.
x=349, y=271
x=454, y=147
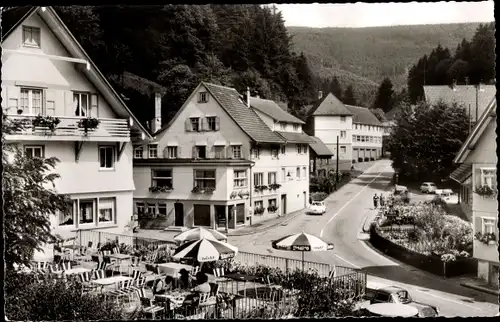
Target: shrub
x=367, y=159
x=318, y=196
x=360, y=159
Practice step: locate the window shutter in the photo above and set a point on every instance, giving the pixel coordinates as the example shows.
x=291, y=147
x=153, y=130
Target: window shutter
x=179, y=151
x=50, y=107
x=94, y=102
x=165, y=152
x=217, y=123
x=243, y=152
x=203, y=124
x=194, y=152
x=188, y=125
x=13, y=99
x=231, y=152
x=227, y=152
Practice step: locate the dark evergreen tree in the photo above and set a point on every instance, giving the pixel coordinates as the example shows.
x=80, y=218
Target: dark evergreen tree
x=349, y=97
x=384, y=99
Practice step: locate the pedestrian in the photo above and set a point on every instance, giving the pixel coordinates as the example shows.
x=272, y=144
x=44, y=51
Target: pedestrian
x=382, y=200
x=375, y=201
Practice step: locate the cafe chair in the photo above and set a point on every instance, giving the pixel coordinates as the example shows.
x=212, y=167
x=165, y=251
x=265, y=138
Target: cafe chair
x=219, y=273
x=99, y=274
x=116, y=250
x=149, y=308
x=55, y=269
x=122, y=289
x=136, y=275
x=195, y=270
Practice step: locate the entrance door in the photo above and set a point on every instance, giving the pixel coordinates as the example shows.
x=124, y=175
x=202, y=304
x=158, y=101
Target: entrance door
x=220, y=215
x=305, y=199
x=179, y=214
x=283, y=204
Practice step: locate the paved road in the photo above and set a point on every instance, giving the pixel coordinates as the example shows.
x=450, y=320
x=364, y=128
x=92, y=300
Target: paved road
x=346, y=210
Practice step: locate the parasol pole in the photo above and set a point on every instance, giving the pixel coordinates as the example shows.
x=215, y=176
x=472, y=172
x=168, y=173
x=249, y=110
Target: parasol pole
x=302, y=260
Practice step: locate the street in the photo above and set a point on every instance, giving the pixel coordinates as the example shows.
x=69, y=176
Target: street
x=341, y=225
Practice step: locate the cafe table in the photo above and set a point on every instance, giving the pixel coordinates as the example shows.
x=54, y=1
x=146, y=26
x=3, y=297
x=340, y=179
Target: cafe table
x=119, y=258
x=176, y=298
x=102, y=282
x=243, y=278
x=76, y=270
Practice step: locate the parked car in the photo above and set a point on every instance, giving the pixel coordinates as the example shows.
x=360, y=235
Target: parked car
x=428, y=187
x=317, y=208
x=447, y=195
x=381, y=293
x=399, y=190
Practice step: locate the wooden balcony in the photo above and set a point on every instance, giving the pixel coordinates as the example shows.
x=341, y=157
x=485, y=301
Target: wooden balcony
x=108, y=130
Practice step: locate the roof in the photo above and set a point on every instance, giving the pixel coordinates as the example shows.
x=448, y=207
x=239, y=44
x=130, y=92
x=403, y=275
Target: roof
x=293, y=137
x=461, y=94
x=462, y=173
x=73, y=47
x=320, y=148
x=273, y=110
x=363, y=115
x=245, y=117
x=331, y=106
x=477, y=131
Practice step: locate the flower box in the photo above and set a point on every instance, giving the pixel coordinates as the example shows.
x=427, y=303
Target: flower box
x=487, y=239
x=485, y=191
x=243, y=194
x=160, y=189
x=260, y=188
x=88, y=123
x=197, y=190
x=46, y=121
x=272, y=209
x=209, y=190
x=274, y=186
x=233, y=195
x=258, y=210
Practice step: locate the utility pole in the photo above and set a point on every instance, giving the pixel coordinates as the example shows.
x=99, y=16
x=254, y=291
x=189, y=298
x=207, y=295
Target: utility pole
x=337, y=159
x=477, y=101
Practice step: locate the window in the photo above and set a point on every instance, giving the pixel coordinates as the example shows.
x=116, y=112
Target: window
x=171, y=152
x=106, y=157
x=342, y=134
x=106, y=209
x=240, y=178
x=342, y=149
x=212, y=123
x=33, y=151
x=86, y=211
x=271, y=177
x=162, y=178
x=271, y=202
x=295, y=127
x=274, y=153
x=355, y=126
x=255, y=153
x=354, y=138
x=195, y=124
x=283, y=126
x=382, y=297
x=31, y=37
x=283, y=174
x=488, y=177
x=258, y=204
x=204, y=178
x=139, y=207
x=236, y=151
x=67, y=218
x=342, y=119
x=201, y=215
x=362, y=138
x=219, y=152
x=151, y=208
x=201, y=151
x=81, y=103
x=298, y=173
x=162, y=209
x=152, y=151
x=299, y=148
x=31, y=101
x=304, y=172
x=203, y=97
x=258, y=179
x=488, y=225
x=283, y=149
x=138, y=152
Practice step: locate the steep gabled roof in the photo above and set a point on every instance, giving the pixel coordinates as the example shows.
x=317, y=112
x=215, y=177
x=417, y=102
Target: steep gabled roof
x=272, y=109
x=320, y=148
x=462, y=173
x=363, y=115
x=246, y=118
x=477, y=131
x=14, y=17
x=464, y=95
x=293, y=137
x=331, y=106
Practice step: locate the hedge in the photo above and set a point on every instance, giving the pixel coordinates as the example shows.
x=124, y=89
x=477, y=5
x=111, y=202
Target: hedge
x=432, y=264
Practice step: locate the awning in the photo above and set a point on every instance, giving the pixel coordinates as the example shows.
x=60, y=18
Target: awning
x=198, y=143
x=219, y=143
x=235, y=143
x=462, y=173
x=172, y=143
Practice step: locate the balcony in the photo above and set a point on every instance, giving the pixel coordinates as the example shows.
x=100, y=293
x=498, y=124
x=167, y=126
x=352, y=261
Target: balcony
x=108, y=130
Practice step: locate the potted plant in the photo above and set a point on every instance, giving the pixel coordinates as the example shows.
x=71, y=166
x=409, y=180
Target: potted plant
x=209, y=190
x=46, y=121
x=274, y=186
x=260, y=188
x=197, y=190
x=160, y=189
x=272, y=209
x=88, y=123
x=258, y=210
x=233, y=194
x=485, y=191
x=243, y=194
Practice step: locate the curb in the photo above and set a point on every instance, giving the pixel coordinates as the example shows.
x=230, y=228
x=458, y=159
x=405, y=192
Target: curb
x=480, y=289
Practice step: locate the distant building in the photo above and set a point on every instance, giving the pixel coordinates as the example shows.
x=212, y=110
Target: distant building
x=367, y=132
x=320, y=157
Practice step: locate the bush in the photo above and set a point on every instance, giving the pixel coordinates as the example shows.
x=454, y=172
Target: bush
x=318, y=196
x=360, y=159
x=367, y=159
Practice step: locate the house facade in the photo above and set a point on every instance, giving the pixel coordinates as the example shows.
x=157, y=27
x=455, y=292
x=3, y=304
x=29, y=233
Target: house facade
x=320, y=157
x=47, y=76
x=367, y=133
x=477, y=175
x=216, y=164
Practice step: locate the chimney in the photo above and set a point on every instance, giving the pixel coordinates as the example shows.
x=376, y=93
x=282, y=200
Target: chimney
x=156, y=122
x=320, y=95
x=248, y=96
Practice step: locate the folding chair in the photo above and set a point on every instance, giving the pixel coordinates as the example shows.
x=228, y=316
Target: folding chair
x=66, y=266
x=136, y=275
x=55, y=269
x=99, y=274
x=116, y=250
x=139, y=283
x=149, y=308
x=123, y=289
x=86, y=280
x=219, y=272
x=195, y=270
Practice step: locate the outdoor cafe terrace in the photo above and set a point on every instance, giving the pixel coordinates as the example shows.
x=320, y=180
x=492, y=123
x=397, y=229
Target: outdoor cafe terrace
x=142, y=274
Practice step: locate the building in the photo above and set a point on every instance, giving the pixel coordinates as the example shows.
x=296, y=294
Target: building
x=367, y=132
x=220, y=163
x=320, y=157
x=46, y=73
x=477, y=172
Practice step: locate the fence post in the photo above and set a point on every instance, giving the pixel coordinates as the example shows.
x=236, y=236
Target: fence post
x=286, y=265
x=99, y=238
x=80, y=236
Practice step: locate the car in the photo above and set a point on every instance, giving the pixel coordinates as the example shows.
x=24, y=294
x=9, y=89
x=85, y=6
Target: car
x=447, y=195
x=317, y=208
x=428, y=187
x=399, y=190
x=381, y=293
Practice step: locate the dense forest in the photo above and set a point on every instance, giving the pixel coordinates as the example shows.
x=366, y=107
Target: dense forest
x=177, y=46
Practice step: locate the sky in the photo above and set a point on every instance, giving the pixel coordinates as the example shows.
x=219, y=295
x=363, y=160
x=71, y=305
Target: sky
x=385, y=14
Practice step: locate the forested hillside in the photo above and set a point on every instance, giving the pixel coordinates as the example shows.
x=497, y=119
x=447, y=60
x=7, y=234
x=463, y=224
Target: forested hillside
x=364, y=56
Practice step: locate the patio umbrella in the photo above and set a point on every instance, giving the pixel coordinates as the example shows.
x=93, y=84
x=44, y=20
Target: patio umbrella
x=199, y=233
x=302, y=242
x=205, y=250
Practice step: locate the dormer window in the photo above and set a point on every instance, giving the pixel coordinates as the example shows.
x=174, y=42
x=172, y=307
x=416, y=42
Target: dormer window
x=31, y=37
x=203, y=97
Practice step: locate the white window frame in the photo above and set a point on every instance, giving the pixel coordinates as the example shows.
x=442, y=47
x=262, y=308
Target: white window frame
x=32, y=149
x=304, y=173
x=151, y=208
x=138, y=152
x=488, y=222
x=204, y=179
x=283, y=174
x=162, y=205
x=270, y=179
x=113, y=210
x=33, y=43
x=274, y=153
x=79, y=214
x=240, y=181
x=258, y=179
x=172, y=152
x=112, y=157
x=488, y=177
x=219, y=151
x=203, y=97
x=195, y=120
x=297, y=173
x=343, y=134
x=256, y=153
x=78, y=108
x=140, y=205
x=152, y=151
x=27, y=101
x=211, y=123
x=342, y=119
x=73, y=214
x=343, y=149
x=155, y=177
x=236, y=151
x=299, y=148
x=258, y=204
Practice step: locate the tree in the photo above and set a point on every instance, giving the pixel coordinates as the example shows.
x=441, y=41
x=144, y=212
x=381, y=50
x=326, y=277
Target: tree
x=348, y=97
x=424, y=141
x=28, y=201
x=484, y=58
x=384, y=99
x=379, y=114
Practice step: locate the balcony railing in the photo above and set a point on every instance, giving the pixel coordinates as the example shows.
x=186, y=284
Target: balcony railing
x=68, y=130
